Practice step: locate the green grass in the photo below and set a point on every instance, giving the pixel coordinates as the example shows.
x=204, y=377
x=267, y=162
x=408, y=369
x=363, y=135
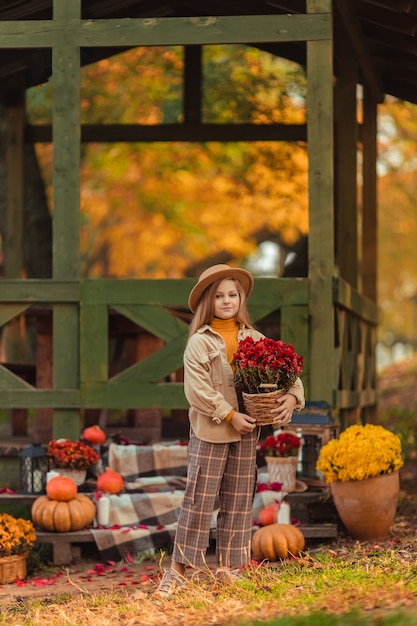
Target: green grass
x=351, y=584
x=397, y=618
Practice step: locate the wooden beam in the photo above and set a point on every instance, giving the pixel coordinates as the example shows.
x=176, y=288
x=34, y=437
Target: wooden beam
x=66, y=228
x=369, y=197
x=346, y=137
x=321, y=212
x=359, y=45
x=166, y=31
x=193, y=82
x=13, y=243
x=189, y=132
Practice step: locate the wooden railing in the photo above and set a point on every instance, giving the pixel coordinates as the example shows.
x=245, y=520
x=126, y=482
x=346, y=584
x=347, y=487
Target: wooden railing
x=131, y=336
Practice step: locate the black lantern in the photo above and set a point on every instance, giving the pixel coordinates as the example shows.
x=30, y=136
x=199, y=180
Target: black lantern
x=33, y=469
x=317, y=426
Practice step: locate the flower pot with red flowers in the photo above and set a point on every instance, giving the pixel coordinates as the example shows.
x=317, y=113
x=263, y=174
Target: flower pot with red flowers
x=281, y=455
x=265, y=370
x=71, y=458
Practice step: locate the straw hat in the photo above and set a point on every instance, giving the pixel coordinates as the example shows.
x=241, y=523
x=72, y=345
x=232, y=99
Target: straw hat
x=219, y=272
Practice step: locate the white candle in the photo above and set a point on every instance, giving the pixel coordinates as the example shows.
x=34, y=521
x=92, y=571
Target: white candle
x=103, y=511
x=50, y=475
x=284, y=516
x=34, y=481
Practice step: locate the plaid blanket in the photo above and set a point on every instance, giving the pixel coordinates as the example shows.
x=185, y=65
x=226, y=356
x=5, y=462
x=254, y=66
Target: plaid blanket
x=133, y=461
x=147, y=522
x=144, y=518
x=119, y=544
x=155, y=483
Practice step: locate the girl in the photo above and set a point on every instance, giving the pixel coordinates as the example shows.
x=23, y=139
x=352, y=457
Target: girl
x=222, y=446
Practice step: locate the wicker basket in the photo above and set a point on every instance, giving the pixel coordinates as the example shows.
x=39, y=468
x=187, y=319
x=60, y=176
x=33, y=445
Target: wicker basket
x=283, y=470
x=12, y=568
x=259, y=405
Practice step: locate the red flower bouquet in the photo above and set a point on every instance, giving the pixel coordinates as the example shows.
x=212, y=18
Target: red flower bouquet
x=64, y=453
x=283, y=445
x=266, y=361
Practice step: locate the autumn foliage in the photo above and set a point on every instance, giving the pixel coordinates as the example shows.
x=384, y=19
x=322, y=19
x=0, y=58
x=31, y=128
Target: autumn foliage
x=152, y=209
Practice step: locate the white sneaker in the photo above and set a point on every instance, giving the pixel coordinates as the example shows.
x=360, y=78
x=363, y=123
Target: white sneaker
x=228, y=575
x=171, y=582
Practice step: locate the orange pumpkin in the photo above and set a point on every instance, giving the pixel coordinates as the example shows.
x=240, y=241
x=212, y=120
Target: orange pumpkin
x=94, y=435
x=268, y=515
x=110, y=482
x=61, y=488
x=277, y=541
x=62, y=517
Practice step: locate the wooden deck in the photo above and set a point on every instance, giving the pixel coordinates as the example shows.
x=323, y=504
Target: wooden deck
x=67, y=547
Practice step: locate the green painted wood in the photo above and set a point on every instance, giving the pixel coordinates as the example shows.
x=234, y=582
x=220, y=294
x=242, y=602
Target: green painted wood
x=155, y=367
x=141, y=396
x=8, y=380
x=345, y=295
x=164, y=292
x=321, y=232
x=270, y=295
x=66, y=226
x=94, y=346
x=66, y=155
x=67, y=423
x=155, y=320
x=295, y=330
x=9, y=311
x=9, y=477
x=279, y=291
x=38, y=291
x=26, y=398
x=164, y=31
x=65, y=346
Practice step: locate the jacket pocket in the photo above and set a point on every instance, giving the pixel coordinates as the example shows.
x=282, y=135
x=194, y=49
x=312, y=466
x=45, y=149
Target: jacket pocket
x=215, y=369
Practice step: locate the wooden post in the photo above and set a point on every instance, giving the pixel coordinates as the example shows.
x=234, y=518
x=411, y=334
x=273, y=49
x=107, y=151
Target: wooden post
x=346, y=136
x=321, y=234
x=66, y=180
x=15, y=331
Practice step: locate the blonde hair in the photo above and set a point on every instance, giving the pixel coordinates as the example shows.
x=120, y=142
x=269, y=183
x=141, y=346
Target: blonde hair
x=204, y=312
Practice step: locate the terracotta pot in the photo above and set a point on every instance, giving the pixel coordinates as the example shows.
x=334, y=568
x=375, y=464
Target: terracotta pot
x=367, y=507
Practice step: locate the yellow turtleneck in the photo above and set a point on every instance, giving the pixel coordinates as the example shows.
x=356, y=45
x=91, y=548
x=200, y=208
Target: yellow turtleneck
x=228, y=329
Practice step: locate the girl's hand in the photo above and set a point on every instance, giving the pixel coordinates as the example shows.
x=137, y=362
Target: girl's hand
x=243, y=423
x=285, y=408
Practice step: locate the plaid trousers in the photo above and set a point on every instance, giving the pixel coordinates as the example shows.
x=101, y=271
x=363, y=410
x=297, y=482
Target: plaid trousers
x=223, y=472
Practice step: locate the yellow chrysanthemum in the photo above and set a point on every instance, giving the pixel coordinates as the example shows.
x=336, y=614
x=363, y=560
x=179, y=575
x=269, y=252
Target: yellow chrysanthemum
x=17, y=536
x=360, y=452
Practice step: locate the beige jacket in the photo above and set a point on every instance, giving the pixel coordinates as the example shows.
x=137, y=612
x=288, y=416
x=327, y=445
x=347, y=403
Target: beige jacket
x=209, y=385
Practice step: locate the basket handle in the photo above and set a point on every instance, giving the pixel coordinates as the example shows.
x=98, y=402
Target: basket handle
x=267, y=387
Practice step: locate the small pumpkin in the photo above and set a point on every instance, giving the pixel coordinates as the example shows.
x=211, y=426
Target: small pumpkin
x=277, y=541
x=61, y=488
x=268, y=515
x=110, y=481
x=94, y=435
x=60, y=516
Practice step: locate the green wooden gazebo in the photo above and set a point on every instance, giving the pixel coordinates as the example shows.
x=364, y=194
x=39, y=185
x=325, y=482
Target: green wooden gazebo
x=331, y=315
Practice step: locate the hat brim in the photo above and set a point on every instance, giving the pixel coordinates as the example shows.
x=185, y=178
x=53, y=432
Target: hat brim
x=245, y=278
